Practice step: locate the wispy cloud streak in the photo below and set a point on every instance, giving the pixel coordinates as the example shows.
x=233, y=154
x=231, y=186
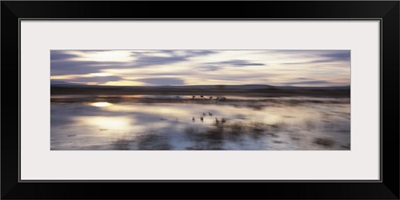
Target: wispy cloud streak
x=200, y=67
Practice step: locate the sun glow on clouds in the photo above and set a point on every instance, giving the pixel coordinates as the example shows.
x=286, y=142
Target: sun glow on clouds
x=123, y=83
x=101, y=74
x=74, y=76
x=103, y=56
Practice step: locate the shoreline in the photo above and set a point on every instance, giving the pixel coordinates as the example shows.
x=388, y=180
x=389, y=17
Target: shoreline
x=214, y=92
x=189, y=100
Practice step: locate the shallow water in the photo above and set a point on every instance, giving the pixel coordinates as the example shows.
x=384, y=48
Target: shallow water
x=236, y=124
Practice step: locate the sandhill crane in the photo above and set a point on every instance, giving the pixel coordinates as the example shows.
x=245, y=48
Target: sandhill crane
x=193, y=97
x=223, y=120
x=220, y=99
x=210, y=114
x=193, y=119
x=201, y=118
x=204, y=114
x=216, y=121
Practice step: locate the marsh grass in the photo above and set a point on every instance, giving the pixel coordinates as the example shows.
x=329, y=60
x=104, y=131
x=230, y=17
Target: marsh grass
x=230, y=131
x=235, y=131
x=347, y=147
x=143, y=142
x=122, y=144
x=153, y=142
x=278, y=126
x=222, y=132
x=309, y=124
x=326, y=142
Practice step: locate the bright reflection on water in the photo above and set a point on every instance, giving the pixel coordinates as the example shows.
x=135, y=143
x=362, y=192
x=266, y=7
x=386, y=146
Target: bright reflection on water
x=275, y=124
x=101, y=104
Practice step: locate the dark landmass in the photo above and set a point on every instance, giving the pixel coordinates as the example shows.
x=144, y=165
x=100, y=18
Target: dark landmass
x=217, y=90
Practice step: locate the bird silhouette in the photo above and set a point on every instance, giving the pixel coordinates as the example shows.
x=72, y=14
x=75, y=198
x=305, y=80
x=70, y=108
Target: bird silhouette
x=223, y=120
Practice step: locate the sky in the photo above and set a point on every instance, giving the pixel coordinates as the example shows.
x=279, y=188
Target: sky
x=317, y=68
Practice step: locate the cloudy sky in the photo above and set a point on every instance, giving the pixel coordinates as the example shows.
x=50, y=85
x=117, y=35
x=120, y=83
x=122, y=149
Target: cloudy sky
x=201, y=67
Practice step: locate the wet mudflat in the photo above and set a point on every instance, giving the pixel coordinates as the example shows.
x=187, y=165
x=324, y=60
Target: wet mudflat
x=170, y=122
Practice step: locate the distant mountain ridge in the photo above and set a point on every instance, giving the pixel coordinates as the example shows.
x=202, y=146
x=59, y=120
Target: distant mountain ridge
x=56, y=83
x=211, y=90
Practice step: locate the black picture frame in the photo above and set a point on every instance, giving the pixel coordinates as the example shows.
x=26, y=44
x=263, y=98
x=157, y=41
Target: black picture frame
x=386, y=11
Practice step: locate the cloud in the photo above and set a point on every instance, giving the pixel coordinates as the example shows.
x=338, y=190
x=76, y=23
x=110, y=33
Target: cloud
x=338, y=55
x=162, y=81
x=80, y=67
x=328, y=56
x=62, y=65
x=187, y=53
x=334, y=57
x=83, y=80
x=145, y=61
x=238, y=63
x=59, y=82
x=97, y=79
x=60, y=55
x=178, y=67
x=209, y=68
x=194, y=53
x=311, y=82
x=66, y=67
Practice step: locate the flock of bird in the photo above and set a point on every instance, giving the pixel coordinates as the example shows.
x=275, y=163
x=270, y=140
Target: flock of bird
x=210, y=98
x=209, y=114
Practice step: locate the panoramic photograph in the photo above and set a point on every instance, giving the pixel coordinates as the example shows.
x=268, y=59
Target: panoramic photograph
x=200, y=99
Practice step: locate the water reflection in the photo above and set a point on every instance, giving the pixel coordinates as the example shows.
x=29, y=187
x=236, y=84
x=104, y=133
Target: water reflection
x=231, y=125
x=101, y=104
x=106, y=123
